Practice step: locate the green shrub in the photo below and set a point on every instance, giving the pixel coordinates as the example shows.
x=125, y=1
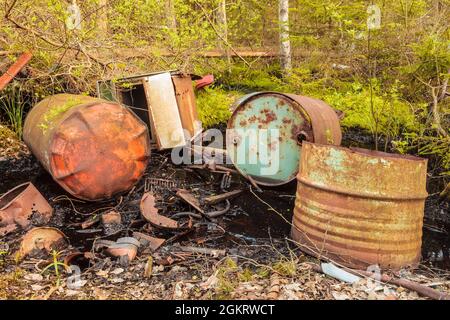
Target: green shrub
x=12, y=105
x=390, y=116
x=214, y=105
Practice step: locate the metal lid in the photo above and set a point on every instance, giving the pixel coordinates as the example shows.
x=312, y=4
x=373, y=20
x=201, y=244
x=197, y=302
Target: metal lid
x=264, y=137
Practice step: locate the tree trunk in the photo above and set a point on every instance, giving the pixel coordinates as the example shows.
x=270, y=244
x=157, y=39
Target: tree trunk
x=285, y=43
x=102, y=20
x=223, y=29
x=171, y=18
x=435, y=112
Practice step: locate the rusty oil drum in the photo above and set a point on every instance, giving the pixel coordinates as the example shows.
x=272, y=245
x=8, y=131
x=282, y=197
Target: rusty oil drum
x=360, y=207
x=273, y=161
x=93, y=148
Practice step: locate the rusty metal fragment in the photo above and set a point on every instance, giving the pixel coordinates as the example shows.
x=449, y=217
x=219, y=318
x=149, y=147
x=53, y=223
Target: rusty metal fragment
x=19, y=205
x=149, y=241
x=14, y=69
x=187, y=106
x=111, y=217
x=222, y=197
x=150, y=213
x=42, y=240
x=204, y=81
x=89, y=222
x=190, y=199
x=93, y=148
x=360, y=207
x=126, y=246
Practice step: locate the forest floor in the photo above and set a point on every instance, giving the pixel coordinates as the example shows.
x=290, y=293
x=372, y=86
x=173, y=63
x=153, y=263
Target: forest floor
x=249, y=254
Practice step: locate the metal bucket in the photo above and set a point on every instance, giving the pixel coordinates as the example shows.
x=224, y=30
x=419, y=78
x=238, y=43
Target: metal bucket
x=360, y=207
x=266, y=131
x=93, y=148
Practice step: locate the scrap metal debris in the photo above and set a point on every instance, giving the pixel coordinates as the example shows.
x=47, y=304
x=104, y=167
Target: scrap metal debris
x=148, y=241
x=204, y=81
x=164, y=100
x=150, y=213
x=111, y=217
x=222, y=197
x=42, y=240
x=21, y=205
x=124, y=247
x=190, y=199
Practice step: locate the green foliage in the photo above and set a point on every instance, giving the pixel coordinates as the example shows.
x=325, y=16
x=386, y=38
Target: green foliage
x=424, y=145
x=285, y=268
x=433, y=58
x=12, y=104
x=390, y=116
x=55, y=265
x=214, y=106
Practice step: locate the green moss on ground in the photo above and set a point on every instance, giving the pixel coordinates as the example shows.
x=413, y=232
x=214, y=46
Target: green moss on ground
x=10, y=145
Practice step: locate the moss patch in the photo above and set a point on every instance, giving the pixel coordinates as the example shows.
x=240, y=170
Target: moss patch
x=55, y=112
x=214, y=105
x=10, y=145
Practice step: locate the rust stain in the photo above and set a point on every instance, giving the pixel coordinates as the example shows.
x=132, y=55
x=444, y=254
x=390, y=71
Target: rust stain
x=360, y=207
x=270, y=116
x=187, y=105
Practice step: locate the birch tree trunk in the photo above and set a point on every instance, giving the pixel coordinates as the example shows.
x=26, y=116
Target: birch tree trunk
x=170, y=14
x=223, y=29
x=285, y=43
x=102, y=20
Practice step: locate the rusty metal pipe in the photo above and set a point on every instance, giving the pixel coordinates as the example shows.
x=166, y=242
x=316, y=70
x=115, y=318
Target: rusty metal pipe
x=93, y=148
x=360, y=207
x=14, y=69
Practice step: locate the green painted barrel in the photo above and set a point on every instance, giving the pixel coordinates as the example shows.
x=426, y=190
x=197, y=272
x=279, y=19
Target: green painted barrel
x=266, y=131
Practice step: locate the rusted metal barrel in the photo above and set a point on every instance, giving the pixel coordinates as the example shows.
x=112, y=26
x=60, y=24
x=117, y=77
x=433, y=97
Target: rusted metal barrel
x=266, y=131
x=93, y=148
x=360, y=207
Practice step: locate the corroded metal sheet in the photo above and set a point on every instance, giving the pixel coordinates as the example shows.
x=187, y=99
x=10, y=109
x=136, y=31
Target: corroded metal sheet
x=91, y=147
x=324, y=120
x=18, y=205
x=187, y=106
x=163, y=108
x=266, y=131
x=360, y=207
x=43, y=239
x=150, y=213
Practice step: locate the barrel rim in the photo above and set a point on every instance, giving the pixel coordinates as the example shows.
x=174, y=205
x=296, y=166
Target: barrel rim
x=371, y=153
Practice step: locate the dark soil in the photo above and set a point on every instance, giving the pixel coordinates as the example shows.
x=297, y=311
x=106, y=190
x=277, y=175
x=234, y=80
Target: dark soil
x=248, y=222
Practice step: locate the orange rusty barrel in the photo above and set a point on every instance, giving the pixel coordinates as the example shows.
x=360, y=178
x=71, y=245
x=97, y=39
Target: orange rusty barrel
x=92, y=147
x=360, y=207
